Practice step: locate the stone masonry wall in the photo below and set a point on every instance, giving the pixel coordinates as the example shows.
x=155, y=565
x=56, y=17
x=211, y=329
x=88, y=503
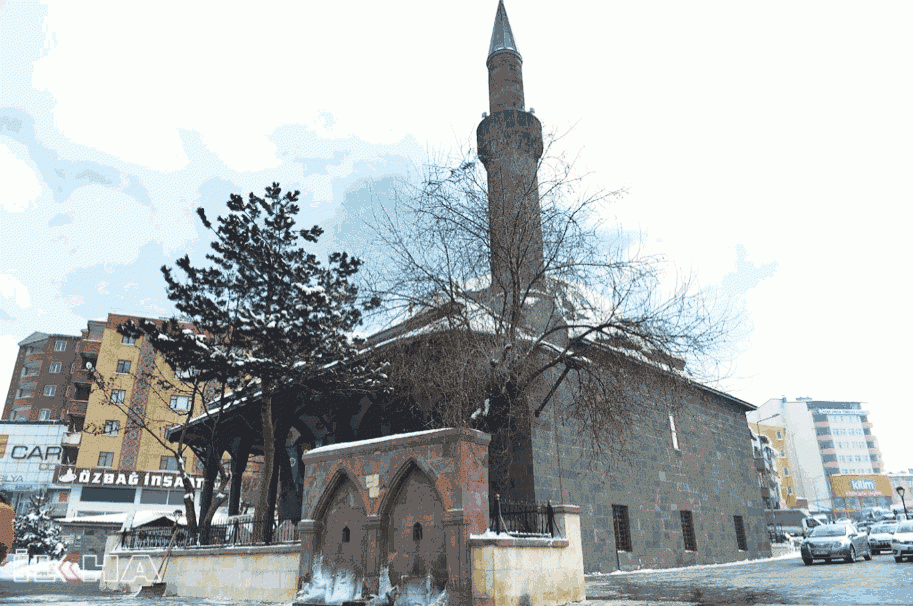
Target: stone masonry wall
x=711, y=474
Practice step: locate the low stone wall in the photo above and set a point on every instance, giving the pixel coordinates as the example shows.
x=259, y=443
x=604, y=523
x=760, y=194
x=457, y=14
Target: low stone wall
x=267, y=573
x=508, y=571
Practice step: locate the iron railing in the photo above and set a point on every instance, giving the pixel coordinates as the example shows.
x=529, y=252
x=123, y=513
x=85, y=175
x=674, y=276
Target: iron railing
x=237, y=532
x=523, y=519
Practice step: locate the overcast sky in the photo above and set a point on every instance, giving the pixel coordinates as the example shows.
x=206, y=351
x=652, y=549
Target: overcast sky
x=766, y=146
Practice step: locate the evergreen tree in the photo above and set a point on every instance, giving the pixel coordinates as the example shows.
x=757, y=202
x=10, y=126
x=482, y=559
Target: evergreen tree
x=37, y=533
x=270, y=319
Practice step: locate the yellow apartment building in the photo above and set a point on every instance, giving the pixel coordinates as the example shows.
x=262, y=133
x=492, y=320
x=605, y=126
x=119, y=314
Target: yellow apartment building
x=777, y=436
x=119, y=465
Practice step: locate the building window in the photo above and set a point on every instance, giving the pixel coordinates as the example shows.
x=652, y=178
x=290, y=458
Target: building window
x=622, y=526
x=786, y=471
x=98, y=494
x=128, y=340
x=789, y=490
x=180, y=403
x=123, y=367
x=50, y=390
x=30, y=371
x=168, y=463
x=779, y=436
x=82, y=391
x=118, y=396
x=674, y=433
x=688, y=530
x=106, y=459
x=55, y=368
x=416, y=532
x=740, y=533
x=346, y=535
x=44, y=414
x=111, y=428
x=25, y=392
x=60, y=346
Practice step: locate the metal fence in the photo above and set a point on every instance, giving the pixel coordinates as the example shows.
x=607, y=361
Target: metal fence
x=236, y=532
x=523, y=519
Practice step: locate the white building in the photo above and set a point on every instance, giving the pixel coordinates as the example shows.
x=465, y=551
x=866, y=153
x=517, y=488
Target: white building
x=29, y=454
x=825, y=439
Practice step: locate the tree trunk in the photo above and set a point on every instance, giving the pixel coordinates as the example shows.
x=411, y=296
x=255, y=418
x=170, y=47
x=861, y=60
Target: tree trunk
x=263, y=512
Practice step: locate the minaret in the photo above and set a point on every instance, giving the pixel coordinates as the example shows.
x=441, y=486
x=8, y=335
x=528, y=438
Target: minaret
x=510, y=145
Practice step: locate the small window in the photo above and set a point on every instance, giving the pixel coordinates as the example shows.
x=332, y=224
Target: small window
x=622, y=527
x=789, y=490
x=123, y=367
x=50, y=390
x=786, y=471
x=118, y=396
x=55, y=368
x=44, y=414
x=111, y=428
x=416, y=532
x=128, y=340
x=106, y=459
x=346, y=535
x=740, y=533
x=25, y=392
x=674, y=433
x=30, y=371
x=60, y=346
x=779, y=436
x=168, y=463
x=180, y=403
x=688, y=530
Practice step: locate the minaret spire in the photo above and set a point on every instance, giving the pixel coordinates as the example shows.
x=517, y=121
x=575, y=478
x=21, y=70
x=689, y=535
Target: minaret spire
x=502, y=38
x=510, y=145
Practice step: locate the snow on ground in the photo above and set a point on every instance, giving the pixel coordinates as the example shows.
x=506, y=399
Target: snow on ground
x=786, y=556
x=18, y=569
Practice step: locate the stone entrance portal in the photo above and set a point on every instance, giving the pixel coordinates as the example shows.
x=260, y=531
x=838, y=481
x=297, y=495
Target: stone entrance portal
x=398, y=510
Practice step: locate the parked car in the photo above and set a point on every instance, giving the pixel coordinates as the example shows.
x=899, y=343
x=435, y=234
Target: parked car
x=835, y=541
x=880, y=537
x=902, y=541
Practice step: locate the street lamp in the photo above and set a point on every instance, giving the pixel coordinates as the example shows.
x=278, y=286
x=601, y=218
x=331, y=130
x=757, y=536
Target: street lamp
x=901, y=490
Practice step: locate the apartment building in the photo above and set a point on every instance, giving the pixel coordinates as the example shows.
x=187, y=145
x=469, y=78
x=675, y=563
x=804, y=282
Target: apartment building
x=776, y=437
x=830, y=452
x=107, y=461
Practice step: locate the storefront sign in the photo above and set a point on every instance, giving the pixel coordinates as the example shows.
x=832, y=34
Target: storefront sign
x=66, y=474
x=861, y=486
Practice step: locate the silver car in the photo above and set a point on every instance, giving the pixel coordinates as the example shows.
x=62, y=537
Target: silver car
x=833, y=542
x=902, y=541
x=880, y=537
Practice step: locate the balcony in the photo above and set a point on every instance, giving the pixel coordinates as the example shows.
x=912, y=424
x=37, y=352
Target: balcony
x=88, y=347
x=71, y=439
x=759, y=464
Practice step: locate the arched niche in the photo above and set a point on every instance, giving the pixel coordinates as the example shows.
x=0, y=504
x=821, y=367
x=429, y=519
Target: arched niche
x=414, y=545
x=342, y=514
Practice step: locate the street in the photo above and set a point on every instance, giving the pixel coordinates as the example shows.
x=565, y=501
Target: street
x=778, y=581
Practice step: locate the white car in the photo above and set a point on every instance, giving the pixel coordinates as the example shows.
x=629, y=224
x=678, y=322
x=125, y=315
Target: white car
x=902, y=541
x=880, y=537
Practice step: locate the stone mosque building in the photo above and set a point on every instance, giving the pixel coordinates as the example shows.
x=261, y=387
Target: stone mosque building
x=684, y=491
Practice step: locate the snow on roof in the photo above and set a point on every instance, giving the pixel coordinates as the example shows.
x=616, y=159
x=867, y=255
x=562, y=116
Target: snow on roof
x=108, y=518
x=357, y=443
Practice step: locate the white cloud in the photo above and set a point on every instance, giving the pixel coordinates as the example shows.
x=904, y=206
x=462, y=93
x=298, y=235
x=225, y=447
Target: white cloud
x=12, y=288
x=20, y=184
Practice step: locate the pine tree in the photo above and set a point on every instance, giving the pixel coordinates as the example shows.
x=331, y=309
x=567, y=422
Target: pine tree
x=37, y=533
x=269, y=318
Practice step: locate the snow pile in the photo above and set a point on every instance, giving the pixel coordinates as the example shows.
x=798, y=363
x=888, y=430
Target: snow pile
x=328, y=587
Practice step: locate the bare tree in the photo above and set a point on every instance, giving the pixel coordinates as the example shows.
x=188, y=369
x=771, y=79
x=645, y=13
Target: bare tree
x=489, y=342
x=186, y=383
